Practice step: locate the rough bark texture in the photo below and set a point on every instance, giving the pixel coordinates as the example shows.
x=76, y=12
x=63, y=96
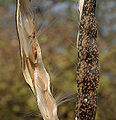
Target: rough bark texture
x=87, y=72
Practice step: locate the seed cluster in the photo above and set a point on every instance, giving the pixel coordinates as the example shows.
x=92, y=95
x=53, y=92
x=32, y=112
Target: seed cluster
x=87, y=72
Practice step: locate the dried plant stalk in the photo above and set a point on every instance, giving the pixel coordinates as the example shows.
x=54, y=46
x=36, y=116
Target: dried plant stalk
x=32, y=65
x=88, y=73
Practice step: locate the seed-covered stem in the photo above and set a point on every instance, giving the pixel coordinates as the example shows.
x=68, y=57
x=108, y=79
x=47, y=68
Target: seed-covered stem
x=87, y=71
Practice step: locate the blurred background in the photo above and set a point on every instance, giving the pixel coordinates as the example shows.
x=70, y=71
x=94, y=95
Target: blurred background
x=57, y=25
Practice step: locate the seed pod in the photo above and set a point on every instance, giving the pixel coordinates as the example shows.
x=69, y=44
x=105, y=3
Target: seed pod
x=32, y=65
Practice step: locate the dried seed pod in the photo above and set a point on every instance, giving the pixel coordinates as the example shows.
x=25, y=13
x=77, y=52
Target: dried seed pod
x=32, y=65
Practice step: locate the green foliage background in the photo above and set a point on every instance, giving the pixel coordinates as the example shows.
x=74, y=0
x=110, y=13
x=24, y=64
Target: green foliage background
x=58, y=43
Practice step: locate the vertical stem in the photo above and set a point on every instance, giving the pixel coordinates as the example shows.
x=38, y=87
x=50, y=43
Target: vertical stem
x=87, y=72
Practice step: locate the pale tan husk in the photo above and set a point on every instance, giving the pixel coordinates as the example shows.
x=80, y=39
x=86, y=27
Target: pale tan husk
x=32, y=65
